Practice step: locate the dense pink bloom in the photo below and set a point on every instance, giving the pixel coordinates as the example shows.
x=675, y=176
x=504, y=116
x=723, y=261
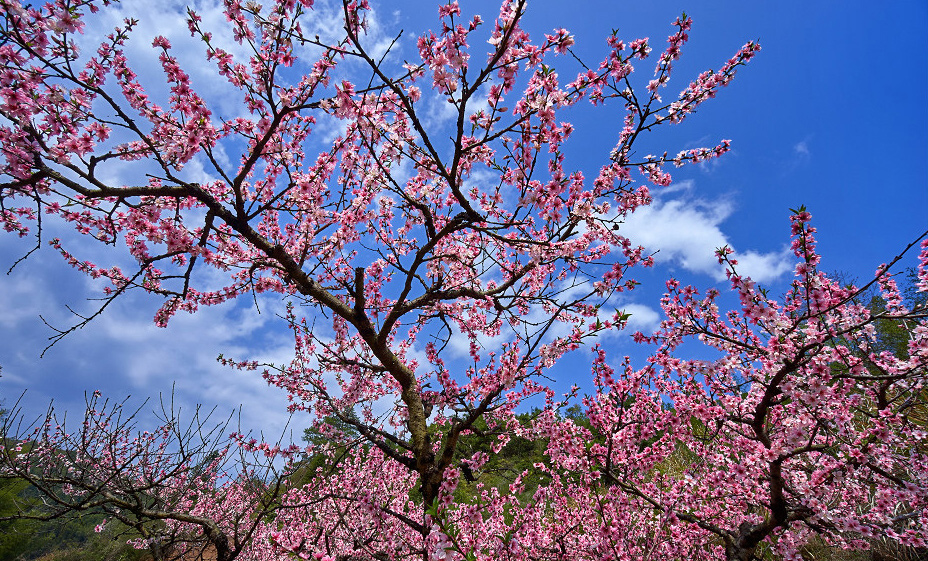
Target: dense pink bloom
x=395, y=234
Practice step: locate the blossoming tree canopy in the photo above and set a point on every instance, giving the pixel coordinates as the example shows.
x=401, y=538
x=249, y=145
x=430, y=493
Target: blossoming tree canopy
x=398, y=234
x=803, y=425
x=390, y=233
x=183, y=490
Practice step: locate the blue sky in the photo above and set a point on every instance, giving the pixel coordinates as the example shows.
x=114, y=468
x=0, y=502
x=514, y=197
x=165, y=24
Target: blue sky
x=832, y=114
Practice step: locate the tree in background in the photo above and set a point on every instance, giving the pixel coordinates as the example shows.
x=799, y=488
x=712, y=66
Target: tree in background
x=803, y=425
x=399, y=235
x=390, y=233
x=182, y=491
x=14, y=535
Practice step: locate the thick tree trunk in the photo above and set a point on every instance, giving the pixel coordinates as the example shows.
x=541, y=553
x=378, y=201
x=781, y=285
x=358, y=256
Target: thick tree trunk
x=744, y=545
x=734, y=552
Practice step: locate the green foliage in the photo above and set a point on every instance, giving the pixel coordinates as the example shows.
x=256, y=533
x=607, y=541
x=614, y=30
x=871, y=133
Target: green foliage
x=15, y=535
x=892, y=335
x=109, y=545
x=333, y=430
x=333, y=433
x=71, y=538
x=67, y=539
x=518, y=455
x=30, y=539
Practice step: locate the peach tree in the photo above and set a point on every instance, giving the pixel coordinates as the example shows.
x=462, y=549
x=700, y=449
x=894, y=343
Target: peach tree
x=393, y=234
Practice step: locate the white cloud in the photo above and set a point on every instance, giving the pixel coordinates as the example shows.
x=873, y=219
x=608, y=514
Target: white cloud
x=643, y=318
x=439, y=112
x=802, y=155
x=122, y=352
x=686, y=232
x=16, y=291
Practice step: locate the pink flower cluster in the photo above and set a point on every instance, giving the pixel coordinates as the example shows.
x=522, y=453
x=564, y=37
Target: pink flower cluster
x=400, y=233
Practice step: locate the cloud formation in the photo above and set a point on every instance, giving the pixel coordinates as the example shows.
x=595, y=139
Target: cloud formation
x=685, y=231
x=123, y=353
